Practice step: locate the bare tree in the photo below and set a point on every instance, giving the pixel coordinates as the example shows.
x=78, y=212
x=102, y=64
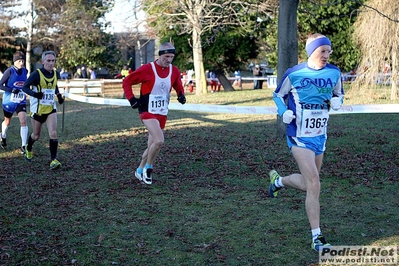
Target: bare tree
x=203, y=17
x=29, y=37
x=137, y=29
x=377, y=33
x=7, y=13
x=26, y=15
x=8, y=33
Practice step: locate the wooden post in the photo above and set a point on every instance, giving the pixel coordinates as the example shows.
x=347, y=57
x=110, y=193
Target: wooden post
x=63, y=113
x=85, y=89
x=66, y=85
x=103, y=88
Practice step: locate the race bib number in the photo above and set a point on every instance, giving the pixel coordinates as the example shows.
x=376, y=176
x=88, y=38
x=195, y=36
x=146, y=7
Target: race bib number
x=158, y=104
x=314, y=123
x=17, y=98
x=48, y=97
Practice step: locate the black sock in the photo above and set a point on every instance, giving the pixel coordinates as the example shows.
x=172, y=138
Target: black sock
x=30, y=144
x=53, y=148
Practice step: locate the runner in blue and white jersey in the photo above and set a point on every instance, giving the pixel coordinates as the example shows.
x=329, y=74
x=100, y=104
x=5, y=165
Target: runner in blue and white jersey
x=14, y=99
x=303, y=99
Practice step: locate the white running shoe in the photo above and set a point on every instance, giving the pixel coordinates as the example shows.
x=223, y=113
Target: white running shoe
x=138, y=176
x=147, y=176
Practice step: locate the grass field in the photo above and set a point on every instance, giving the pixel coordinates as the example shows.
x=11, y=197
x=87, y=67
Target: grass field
x=209, y=203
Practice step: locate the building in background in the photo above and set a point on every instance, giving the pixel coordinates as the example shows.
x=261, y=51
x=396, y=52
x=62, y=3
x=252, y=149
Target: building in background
x=135, y=49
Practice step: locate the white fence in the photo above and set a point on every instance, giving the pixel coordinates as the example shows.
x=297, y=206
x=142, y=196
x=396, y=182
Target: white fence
x=87, y=86
x=271, y=80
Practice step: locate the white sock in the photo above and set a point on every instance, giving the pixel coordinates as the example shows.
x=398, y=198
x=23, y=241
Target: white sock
x=24, y=135
x=278, y=182
x=315, y=233
x=4, y=130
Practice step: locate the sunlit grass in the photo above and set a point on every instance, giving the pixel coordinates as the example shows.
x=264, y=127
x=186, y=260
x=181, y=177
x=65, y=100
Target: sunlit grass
x=209, y=204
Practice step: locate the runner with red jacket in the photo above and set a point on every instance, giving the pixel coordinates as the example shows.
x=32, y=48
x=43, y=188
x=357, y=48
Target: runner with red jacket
x=157, y=80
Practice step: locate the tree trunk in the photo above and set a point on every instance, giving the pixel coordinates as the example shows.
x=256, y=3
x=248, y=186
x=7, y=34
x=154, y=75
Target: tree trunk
x=29, y=39
x=199, y=72
x=226, y=84
x=394, y=86
x=139, y=52
x=287, y=46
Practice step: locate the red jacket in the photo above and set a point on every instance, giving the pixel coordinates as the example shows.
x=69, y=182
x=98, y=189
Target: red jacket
x=145, y=76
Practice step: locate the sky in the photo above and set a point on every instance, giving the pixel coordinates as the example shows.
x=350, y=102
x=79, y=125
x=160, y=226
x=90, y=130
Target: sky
x=121, y=16
x=118, y=17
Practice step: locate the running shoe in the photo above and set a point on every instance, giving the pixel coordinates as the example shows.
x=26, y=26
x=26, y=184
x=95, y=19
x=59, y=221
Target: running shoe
x=3, y=143
x=273, y=190
x=319, y=243
x=138, y=176
x=55, y=164
x=147, y=176
x=29, y=155
x=22, y=149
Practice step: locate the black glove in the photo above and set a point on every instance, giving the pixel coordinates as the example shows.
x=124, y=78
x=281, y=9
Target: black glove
x=38, y=95
x=60, y=98
x=16, y=91
x=181, y=98
x=134, y=102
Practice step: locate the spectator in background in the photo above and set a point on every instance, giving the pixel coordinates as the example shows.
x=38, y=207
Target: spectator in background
x=386, y=72
x=251, y=67
x=187, y=82
x=190, y=74
x=78, y=74
x=64, y=74
x=124, y=72
x=184, y=78
x=190, y=79
x=214, y=81
x=84, y=72
x=92, y=73
x=237, y=81
x=257, y=74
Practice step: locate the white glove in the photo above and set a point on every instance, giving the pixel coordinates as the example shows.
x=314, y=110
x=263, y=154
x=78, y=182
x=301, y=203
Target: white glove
x=288, y=116
x=336, y=103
